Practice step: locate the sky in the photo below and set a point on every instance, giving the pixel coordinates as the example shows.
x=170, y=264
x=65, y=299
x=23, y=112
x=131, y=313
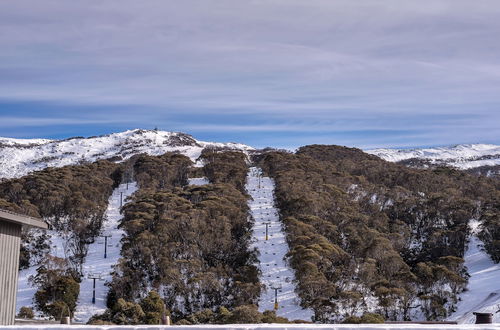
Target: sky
x=281, y=73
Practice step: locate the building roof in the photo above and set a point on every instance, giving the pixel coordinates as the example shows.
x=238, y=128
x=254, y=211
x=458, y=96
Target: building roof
x=20, y=219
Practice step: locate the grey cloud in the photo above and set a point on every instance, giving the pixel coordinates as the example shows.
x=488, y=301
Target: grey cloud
x=292, y=58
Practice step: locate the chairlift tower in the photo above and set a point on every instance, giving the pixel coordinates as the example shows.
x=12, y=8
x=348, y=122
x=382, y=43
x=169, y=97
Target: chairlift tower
x=105, y=244
x=268, y=224
x=276, y=287
x=94, y=277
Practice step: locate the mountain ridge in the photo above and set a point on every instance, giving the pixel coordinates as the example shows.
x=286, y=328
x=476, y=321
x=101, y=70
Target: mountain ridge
x=462, y=156
x=19, y=157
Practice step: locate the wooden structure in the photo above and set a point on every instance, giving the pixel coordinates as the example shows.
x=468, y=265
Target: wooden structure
x=10, y=244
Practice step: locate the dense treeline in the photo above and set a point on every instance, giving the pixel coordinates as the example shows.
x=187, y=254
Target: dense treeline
x=72, y=199
x=225, y=167
x=361, y=229
x=491, y=227
x=161, y=172
x=189, y=243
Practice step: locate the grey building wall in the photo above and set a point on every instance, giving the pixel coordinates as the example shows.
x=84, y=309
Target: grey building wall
x=10, y=239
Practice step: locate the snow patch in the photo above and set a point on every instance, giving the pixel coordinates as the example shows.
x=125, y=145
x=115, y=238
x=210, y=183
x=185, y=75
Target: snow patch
x=198, y=181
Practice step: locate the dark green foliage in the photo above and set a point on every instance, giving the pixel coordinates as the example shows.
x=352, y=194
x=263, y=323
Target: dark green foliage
x=95, y=320
x=26, y=313
x=372, y=318
x=71, y=199
x=225, y=167
x=193, y=243
x=491, y=225
x=149, y=310
x=354, y=220
x=271, y=317
x=162, y=172
x=365, y=318
x=58, y=288
x=125, y=312
x=239, y=315
x=245, y=314
x=190, y=243
x=205, y=316
x=153, y=308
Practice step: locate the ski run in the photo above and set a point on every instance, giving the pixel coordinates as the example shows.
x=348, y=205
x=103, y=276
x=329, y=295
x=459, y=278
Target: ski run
x=275, y=273
x=483, y=289
x=95, y=264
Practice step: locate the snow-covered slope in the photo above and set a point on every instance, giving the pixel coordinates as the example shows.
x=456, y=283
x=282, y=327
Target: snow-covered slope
x=25, y=287
x=95, y=263
x=463, y=156
x=272, y=264
x=18, y=157
x=483, y=289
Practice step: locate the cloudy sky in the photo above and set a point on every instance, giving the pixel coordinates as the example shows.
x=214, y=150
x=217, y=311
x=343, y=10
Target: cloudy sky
x=263, y=72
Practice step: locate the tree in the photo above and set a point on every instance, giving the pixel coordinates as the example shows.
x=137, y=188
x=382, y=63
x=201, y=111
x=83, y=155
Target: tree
x=246, y=314
x=58, y=289
x=26, y=313
x=153, y=307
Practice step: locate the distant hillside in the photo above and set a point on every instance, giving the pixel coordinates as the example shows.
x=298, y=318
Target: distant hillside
x=476, y=158
x=19, y=157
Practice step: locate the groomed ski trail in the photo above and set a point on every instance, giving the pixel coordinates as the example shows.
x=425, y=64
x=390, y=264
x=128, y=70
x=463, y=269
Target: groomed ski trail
x=272, y=264
x=95, y=263
x=483, y=289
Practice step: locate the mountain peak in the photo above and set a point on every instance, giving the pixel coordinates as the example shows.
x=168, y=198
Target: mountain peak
x=21, y=156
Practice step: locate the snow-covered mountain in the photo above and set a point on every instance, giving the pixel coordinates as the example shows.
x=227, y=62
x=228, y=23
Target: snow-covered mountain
x=19, y=157
x=462, y=156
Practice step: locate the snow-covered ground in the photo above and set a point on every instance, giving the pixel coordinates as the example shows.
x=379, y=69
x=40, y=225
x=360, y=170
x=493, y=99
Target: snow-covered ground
x=198, y=181
x=25, y=289
x=19, y=157
x=274, y=270
x=483, y=294
x=463, y=156
x=94, y=261
x=96, y=264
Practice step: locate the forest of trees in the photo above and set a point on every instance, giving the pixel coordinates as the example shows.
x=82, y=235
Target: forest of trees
x=73, y=201
x=189, y=243
x=369, y=240
x=361, y=228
